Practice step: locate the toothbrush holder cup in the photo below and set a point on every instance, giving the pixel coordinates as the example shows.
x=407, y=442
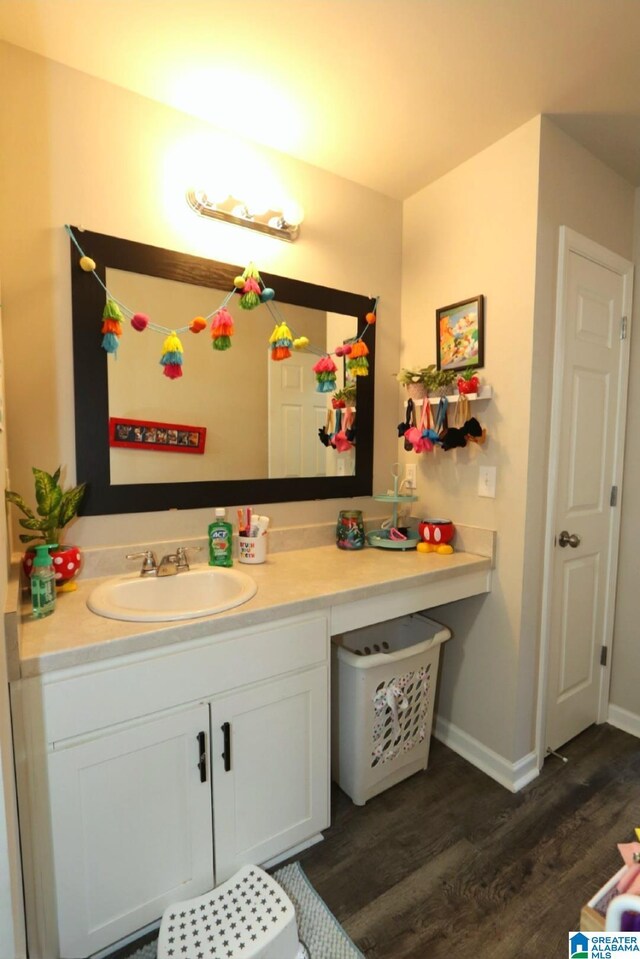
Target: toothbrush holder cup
x=252, y=549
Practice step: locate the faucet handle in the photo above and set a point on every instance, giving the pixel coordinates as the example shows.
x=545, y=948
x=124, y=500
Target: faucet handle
x=149, y=562
x=181, y=554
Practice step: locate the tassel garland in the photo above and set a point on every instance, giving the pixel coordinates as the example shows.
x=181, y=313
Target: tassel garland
x=281, y=342
x=250, y=290
x=171, y=358
x=325, y=370
x=111, y=326
x=222, y=330
x=358, y=364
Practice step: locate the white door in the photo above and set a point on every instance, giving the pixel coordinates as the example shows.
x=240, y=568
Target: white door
x=270, y=768
x=131, y=822
x=590, y=388
x=296, y=413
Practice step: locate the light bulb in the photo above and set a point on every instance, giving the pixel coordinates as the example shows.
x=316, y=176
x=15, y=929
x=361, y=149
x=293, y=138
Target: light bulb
x=216, y=193
x=292, y=213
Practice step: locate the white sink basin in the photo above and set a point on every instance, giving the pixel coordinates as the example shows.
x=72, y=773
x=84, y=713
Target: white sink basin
x=201, y=591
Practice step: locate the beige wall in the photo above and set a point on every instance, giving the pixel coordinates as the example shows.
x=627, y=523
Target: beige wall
x=625, y=673
x=491, y=227
x=471, y=232
x=11, y=906
x=78, y=150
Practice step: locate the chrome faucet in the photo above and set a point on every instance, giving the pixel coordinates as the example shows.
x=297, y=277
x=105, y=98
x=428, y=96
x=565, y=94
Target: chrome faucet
x=174, y=563
x=149, y=562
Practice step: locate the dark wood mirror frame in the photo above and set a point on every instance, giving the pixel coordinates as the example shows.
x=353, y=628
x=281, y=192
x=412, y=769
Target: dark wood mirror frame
x=91, y=387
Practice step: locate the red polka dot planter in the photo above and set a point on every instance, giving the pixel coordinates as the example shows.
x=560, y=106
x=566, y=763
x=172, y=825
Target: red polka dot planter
x=438, y=532
x=66, y=563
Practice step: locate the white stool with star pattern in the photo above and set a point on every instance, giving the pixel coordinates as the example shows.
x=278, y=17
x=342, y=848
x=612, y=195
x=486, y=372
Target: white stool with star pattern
x=248, y=917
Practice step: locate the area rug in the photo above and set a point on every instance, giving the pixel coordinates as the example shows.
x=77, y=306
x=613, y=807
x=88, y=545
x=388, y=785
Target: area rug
x=318, y=929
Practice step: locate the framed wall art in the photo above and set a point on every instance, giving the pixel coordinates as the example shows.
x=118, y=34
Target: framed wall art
x=460, y=335
x=161, y=437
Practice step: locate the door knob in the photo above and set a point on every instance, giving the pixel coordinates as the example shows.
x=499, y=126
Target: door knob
x=566, y=539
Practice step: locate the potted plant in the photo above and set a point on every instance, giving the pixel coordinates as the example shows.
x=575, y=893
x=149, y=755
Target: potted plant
x=468, y=382
x=420, y=381
x=344, y=397
x=55, y=509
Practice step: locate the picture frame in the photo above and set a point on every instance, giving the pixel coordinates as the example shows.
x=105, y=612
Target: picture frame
x=159, y=437
x=460, y=335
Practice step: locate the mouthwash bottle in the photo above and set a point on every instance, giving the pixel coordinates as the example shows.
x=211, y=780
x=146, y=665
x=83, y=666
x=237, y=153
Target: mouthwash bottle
x=220, y=540
x=43, y=582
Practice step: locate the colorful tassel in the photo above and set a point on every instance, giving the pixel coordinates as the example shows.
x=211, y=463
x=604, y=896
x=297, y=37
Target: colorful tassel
x=358, y=364
x=198, y=323
x=281, y=342
x=325, y=370
x=171, y=358
x=111, y=326
x=251, y=289
x=222, y=330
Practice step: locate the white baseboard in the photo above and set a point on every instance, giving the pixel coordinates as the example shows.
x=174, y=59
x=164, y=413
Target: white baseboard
x=513, y=776
x=623, y=719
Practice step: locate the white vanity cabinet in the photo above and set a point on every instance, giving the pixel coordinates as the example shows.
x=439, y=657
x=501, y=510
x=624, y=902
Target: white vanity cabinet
x=269, y=767
x=118, y=819
x=131, y=827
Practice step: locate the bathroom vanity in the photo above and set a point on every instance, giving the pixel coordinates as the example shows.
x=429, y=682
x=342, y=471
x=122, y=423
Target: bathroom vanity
x=155, y=759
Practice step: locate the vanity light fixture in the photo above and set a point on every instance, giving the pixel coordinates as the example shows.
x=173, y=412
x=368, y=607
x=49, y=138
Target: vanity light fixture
x=284, y=223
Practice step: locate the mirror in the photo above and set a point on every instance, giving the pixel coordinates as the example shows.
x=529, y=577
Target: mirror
x=235, y=394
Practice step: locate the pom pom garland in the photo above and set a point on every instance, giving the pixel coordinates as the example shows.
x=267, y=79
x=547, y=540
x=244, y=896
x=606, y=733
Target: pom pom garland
x=301, y=342
x=171, y=358
x=358, y=364
x=198, y=323
x=139, y=321
x=325, y=370
x=111, y=326
x=370, y=318
x=281, y=342
x=221, y=330
x=343, y=350
x=267, y=294
x=87, y=264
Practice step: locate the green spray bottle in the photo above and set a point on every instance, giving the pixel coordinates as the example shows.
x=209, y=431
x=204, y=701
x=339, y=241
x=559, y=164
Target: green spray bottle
x=43, y=582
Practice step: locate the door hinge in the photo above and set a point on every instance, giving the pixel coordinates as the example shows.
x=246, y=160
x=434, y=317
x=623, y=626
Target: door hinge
x=623, y=328
x=603, y=655
x=613, y=501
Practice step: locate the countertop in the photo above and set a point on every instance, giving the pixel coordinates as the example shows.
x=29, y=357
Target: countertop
x=289, y=583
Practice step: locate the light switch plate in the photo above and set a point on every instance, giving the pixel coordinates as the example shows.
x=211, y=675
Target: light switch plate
x=410, y=475
x=487, y=481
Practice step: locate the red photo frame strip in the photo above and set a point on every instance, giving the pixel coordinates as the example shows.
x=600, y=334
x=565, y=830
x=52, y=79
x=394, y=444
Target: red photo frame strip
x=161, y=437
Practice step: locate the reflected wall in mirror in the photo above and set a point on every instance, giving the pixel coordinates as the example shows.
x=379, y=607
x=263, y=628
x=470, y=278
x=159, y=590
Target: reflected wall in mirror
x=262, y=417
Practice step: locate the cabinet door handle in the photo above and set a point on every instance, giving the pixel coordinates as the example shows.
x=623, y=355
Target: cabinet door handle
x=226, y=755
x=202, y=757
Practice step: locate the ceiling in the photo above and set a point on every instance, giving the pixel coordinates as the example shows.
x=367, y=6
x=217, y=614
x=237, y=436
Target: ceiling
x=388, y=93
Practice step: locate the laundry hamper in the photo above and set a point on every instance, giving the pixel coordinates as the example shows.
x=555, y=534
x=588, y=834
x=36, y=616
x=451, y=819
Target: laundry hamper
x=383, y=685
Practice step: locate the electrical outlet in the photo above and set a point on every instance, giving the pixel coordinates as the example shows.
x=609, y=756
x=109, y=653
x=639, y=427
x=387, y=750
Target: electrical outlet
x=487, y=481
x=410, y=480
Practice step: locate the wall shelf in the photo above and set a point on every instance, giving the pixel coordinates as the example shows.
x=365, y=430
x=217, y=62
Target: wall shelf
x=485, y=393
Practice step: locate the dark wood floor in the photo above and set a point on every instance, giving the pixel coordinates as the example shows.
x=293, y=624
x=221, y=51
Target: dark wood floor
x=450, y=864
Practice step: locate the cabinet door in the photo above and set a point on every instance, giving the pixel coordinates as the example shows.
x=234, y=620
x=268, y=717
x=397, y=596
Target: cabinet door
x=271, y=782
x=131, y=823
